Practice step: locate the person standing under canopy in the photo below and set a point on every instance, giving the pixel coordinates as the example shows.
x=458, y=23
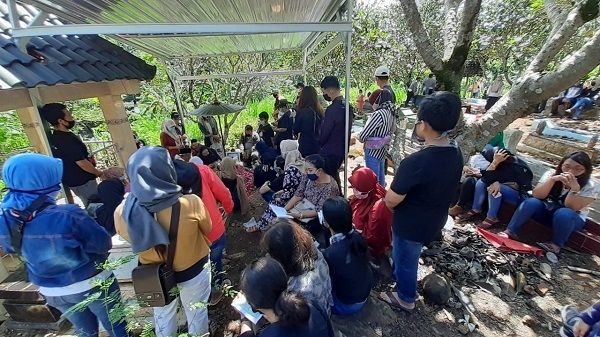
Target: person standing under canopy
x=80, y=172
x=334, y=134
x=308, y=122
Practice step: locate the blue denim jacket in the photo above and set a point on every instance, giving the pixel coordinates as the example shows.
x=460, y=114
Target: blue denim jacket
x=62, y=245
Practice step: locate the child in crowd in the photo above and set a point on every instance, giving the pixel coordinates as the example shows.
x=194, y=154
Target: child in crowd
x=265, y=130
x=247, y=142
x=347, y=258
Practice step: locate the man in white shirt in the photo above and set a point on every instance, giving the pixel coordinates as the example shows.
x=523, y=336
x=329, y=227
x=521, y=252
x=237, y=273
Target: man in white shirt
x=494, y=93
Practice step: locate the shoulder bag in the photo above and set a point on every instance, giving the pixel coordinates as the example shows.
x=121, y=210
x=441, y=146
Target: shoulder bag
x=155, y=284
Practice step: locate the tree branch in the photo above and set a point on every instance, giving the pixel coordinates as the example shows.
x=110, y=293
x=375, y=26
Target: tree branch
x=464, y=33
x=420, y=38
x=572, y=68
x=555, y=13
x=557, y=41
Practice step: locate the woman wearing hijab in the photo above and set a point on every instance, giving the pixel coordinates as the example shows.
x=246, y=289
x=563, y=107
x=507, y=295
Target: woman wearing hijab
x=171, y=135
x=377, y=134
x=369, y=214
x=144, y=219
x=110, y=193
x=61, y=245
x=235, y=184
x=292, y=177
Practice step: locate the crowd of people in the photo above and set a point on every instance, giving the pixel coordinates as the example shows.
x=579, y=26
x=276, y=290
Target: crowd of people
x=321, y=250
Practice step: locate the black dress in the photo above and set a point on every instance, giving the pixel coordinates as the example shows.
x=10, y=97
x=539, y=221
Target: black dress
x=308, y=125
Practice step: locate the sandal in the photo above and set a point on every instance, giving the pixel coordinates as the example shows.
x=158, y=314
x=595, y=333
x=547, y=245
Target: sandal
x=217, y=294
x=488, y=223
x=549, y=247
x=470, y=215
x=509, y=235
x=391, y=298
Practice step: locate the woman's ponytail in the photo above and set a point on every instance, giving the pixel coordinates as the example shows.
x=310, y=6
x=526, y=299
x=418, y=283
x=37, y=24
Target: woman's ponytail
x=292, y=309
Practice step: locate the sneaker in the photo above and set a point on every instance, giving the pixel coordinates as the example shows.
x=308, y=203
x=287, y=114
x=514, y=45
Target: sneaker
x=569, y=111
x=569, y=315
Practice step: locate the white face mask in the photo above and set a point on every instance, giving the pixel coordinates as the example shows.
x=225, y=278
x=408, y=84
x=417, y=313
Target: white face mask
x=360, y=195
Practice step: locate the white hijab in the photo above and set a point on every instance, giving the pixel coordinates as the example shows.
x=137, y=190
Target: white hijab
x=170, y=128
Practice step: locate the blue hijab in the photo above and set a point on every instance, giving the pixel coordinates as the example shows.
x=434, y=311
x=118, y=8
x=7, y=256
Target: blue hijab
x=154, y=187
x=29, y=175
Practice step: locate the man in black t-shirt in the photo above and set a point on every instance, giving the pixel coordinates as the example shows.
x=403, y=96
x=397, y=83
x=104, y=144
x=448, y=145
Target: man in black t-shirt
x=79, y=171
x=422, y=191
x=265, y=130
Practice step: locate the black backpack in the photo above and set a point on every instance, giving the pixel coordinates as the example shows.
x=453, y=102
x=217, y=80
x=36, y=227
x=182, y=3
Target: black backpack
x=18, y=219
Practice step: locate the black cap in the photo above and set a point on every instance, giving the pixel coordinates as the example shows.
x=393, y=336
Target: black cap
x=283, y=103
x=299, y=85
x=175, y=115
x=330, y=82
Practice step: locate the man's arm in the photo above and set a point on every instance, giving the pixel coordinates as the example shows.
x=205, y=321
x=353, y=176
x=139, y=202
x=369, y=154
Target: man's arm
x=87, y=166
x=393, y=199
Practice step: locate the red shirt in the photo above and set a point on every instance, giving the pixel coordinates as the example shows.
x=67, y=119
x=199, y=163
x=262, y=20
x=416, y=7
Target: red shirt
x=213, y=191
x=166, y=141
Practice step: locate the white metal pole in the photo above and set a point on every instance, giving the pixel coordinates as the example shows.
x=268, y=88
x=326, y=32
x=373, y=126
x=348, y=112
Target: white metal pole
x=304, y=63
x=347, y=94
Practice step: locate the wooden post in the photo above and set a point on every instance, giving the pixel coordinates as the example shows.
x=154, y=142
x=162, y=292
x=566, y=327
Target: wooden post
x=34, y=129
x=118, y=126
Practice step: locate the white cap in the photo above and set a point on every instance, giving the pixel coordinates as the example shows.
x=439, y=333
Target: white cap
x=382, y=71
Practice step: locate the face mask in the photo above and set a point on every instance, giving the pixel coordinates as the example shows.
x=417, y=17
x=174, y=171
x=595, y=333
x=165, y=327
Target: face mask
x=312, y=176
x=262, y=122
x=326, y=97
x=415, y=137
x=375, y=106
x=70, y=124
x=359, y=195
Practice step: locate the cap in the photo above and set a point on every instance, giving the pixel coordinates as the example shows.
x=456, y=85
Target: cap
x=382, y=71
x=175, y=115
x=330, y=82
x=299, y=85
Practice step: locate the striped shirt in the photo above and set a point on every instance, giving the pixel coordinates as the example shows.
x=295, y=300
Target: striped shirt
x=379, y=125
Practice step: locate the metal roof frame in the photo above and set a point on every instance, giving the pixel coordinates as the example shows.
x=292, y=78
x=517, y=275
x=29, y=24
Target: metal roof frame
x=125, y=31
x=241, y=75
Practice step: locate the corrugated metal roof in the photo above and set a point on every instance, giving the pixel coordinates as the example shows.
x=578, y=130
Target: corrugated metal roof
x=198, y=11
x=63, y=59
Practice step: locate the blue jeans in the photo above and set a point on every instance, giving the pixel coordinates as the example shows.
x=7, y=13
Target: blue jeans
x=340, y=308
x=564, y=220
x=508, y=194
x=406, y=255
x=216, y=257
x=377, y=165
x=582, y=104
x=86, y=321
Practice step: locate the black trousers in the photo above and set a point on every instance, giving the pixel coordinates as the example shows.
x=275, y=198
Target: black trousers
x=332, y=167
x=467, y=193
x=409, y=96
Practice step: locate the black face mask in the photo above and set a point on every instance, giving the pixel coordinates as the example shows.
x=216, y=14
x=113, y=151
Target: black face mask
x=71, y=124
x=326, y=97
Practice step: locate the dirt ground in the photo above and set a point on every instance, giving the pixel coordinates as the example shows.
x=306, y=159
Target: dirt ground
x=498, y=316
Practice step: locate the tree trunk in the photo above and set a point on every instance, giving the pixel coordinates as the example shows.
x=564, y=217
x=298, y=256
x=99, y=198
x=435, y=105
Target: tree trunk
x=449, y=79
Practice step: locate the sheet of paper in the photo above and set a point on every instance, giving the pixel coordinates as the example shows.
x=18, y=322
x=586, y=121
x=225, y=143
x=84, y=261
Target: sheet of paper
x=321, y=219
x=280, y=212
x=240, y=304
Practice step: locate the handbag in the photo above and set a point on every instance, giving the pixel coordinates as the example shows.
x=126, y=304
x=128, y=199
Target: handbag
x=155, y=284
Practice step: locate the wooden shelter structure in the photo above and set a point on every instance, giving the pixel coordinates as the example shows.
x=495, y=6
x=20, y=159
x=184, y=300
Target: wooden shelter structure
x=41, y=70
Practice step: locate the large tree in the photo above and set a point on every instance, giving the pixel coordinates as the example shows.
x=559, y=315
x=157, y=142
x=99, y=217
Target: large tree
x=570, y=51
